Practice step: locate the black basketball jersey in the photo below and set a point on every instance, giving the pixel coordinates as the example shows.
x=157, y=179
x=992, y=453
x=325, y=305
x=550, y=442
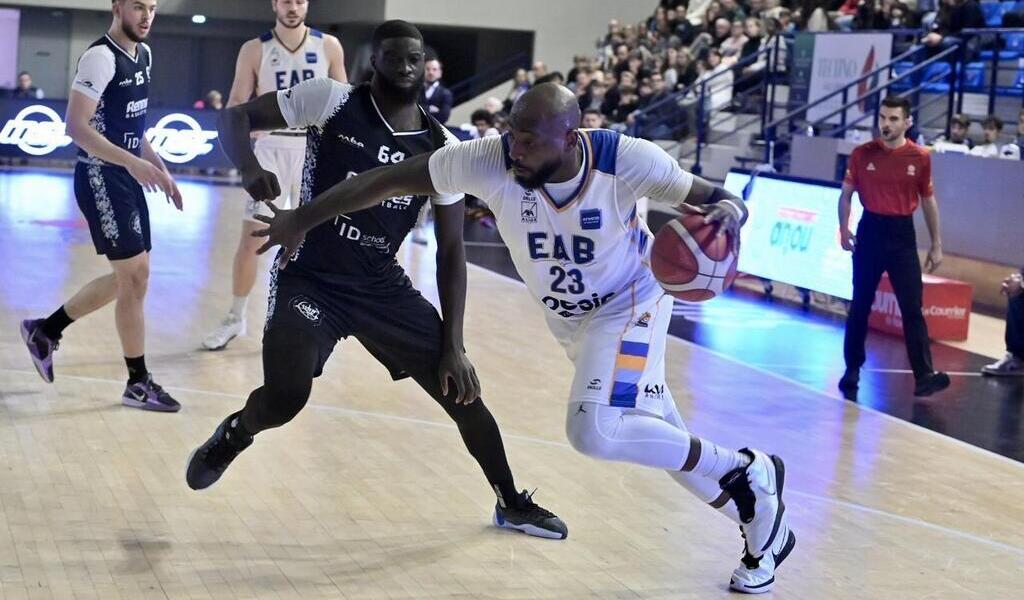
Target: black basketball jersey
x=348, y=135
x=119, y=82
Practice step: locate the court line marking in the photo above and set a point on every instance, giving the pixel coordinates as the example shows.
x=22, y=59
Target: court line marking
x=804, y=386
x=863, y=369
x=449, y=425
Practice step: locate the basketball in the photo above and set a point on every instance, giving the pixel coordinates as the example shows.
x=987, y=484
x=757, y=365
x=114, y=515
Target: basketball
x=690, y=261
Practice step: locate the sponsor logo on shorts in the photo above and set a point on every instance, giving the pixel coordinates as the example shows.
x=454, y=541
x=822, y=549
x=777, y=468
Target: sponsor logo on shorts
x=644, y=320
x=654, y=391
x=308, y=309
x=569, y=308
x=595, y=384
x=125, y=83
x=136, y=223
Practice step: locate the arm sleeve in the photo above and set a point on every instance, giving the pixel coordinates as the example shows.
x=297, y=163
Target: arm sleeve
x=651, y=173
x=312, y=102
x=95, y=70
x=474, y=167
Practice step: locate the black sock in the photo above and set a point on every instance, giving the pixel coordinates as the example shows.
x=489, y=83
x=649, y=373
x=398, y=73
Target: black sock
x=507, y=494
x=56, y=323
x=136, y=369
x=235, y=426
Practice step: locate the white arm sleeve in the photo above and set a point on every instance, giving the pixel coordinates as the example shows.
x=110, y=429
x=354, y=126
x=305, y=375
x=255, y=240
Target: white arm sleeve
x=651, y=173
x=475, y=167
x=312, y=102
x=442, y=198
x=95, y=70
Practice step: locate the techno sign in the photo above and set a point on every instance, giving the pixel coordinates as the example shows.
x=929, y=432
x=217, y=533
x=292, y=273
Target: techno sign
x=182, y=144
x=38, y=136
x=38, y=130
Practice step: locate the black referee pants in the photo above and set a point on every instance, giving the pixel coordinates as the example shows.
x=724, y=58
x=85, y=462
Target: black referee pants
x=887, y=244
x=1015, y=326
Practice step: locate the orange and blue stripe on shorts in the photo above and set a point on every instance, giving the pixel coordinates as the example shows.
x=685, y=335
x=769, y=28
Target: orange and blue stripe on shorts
x=629, y=366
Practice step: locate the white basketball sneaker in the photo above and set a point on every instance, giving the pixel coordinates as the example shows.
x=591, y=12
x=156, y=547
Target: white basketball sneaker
x=757, y=491
x=231, y=327
x=757, y=575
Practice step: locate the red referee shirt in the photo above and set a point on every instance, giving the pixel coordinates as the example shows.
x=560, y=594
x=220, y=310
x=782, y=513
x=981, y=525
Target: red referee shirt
x=890, y=182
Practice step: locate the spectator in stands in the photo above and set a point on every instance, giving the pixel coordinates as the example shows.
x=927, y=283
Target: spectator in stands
x=579, y=84
x=538, y=70
x=757, y=8
x=992, y=126
x=629, y=101
x=580, y=64
x=25, y=90
x=958, y=141
x=954, y=16
x=214, y=100
x=435, y=97
x=732, y=47
x=733, y=11
x=592, y=119
x=683, y=72
x=753, y=28
x=719, y=92
x=1019, y=141
x=845, y=17
x=493, y=105
x=595, y=97
x=520, y=84
x=614, y=32
x=501, y=121
x=483, y=124
x=722, y=32
x=1011, y=365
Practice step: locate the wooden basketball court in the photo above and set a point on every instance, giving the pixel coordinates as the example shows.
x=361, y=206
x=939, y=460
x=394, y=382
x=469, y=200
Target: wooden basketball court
x=369, y=493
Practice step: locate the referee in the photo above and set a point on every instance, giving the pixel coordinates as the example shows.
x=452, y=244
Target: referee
x=892, y=175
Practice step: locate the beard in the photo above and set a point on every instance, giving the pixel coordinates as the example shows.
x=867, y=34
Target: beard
x=540, y=176
x=130, y=33
x=409, y=94
x=286, y=25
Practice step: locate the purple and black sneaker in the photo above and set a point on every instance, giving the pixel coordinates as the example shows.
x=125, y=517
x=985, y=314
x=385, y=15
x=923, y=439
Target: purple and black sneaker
x=147, y=395
x=40, y=347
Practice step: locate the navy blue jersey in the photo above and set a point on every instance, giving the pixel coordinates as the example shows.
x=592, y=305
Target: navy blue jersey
x=347, y=134
x=119, y=82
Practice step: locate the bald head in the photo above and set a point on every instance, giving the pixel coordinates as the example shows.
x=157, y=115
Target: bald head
x=549, y=107
x=543, y=141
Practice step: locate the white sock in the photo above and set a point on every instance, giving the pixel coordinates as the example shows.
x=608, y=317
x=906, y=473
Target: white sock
x=712, y=461
x=238, y=306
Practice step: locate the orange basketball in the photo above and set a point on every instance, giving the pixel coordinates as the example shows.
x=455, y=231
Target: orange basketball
x=690, y=262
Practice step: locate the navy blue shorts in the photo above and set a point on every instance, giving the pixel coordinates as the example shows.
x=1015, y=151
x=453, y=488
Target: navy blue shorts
x=393, y=321
x=115, y=208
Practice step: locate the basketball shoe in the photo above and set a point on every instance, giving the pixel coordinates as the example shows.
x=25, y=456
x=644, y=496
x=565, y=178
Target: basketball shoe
x=148, y=395
x=40, y=347
x=529, y=518
x=757, y=575
x=208, y=462
x=757, y=491
x=231, y=327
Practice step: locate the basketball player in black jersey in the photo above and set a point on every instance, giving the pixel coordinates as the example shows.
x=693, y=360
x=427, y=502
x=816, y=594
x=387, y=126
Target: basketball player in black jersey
x=345, y=280
x=107, y=120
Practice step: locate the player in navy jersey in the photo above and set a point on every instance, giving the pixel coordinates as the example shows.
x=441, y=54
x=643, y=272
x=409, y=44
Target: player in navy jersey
x=107, y=120
x=345, y=281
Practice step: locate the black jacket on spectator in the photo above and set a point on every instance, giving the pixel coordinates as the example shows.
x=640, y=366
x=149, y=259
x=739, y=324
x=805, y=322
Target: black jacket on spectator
x=966, y=15
x=439, y=105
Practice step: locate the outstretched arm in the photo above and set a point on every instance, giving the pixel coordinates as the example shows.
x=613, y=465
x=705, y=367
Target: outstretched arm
x=411, y=177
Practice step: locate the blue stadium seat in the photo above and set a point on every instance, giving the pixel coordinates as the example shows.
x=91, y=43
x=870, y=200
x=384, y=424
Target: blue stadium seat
x=993, y=12
x=935, y=77
x=898, y=69
x=974, y=77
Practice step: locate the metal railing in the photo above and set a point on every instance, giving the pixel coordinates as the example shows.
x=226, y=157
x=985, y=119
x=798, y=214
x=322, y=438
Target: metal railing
x=696, y=102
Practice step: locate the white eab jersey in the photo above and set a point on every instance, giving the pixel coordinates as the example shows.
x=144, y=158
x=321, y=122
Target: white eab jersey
x=280, y=68
x=579, y=249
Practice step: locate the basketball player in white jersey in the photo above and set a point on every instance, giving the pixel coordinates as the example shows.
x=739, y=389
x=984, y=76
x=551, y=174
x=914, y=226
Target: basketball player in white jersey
x=565, y=203
x=289, y=53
